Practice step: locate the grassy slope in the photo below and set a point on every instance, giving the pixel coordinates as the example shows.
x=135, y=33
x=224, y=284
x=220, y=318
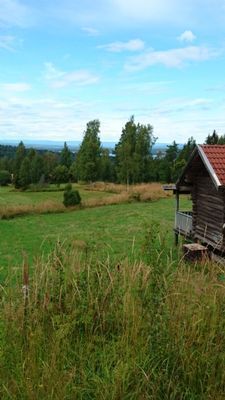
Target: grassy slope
x=14, y=198
x=111, y=229
x=89, y=331
x=92, y=331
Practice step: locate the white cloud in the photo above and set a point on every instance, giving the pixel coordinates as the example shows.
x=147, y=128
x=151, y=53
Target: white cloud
x=7, y=42
x=81, y=77
x=13, y=12
x=131, y=45
x=44, y=118
x=60, y=79
x=156, y=11
x=90, y=31
x=187, y=36
x=177, y=106
x=173, y=58
x=15, y=87
x=52, y=119
x=51, y=72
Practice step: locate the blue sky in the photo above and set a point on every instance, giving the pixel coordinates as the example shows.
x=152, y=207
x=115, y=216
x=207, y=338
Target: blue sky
x=63, y=63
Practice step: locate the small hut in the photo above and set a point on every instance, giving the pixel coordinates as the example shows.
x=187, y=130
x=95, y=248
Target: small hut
x=203, y=178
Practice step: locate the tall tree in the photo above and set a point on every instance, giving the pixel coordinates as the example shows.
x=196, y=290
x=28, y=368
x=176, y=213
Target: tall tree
x=88, y=156
x=36, y=168
x=124, y=152
x=50, y=161
x=169, y=161
x=107, y=166
x=20, y=155
x=66, y=156
x=213, y=138
x=133, y=152
x=60, y=174
x=142, y=157
x=182, y=158
x=185, y=153
x=24, y=174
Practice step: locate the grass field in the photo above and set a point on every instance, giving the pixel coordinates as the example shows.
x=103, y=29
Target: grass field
x=8, y=196
x=50, y=199
x=88, y=329
x=117, y=230
x=112, y=312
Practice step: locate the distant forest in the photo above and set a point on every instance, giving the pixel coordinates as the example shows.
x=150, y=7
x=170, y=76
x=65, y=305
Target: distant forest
x=130, y=162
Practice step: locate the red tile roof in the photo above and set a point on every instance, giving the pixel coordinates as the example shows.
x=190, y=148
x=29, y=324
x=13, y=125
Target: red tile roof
x=216, y=157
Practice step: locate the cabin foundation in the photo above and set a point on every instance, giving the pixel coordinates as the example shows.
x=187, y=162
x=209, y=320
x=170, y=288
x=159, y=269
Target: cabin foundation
x=203, y=179
x=195, y=252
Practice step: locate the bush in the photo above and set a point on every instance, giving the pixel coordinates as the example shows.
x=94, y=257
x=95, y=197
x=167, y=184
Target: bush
x=71, y=197
x=5, y=178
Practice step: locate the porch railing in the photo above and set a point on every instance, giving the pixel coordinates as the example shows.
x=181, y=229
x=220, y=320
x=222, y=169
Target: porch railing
x=183, y=222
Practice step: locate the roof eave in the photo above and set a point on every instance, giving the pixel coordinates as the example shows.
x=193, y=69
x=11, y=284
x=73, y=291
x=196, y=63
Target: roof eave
x=209, y=167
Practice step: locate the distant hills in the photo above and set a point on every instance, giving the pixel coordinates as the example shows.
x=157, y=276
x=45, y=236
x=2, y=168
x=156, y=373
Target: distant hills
x=57, y=145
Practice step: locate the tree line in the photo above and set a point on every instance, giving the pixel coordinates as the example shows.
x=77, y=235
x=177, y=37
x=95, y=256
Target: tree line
x=131, y=162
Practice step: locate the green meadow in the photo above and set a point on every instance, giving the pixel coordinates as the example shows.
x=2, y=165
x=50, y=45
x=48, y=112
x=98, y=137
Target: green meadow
x=110, y=310
x=9, y=196
x=117, y=231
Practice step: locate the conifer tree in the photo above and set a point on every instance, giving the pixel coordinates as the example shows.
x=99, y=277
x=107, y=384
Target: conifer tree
x=88, y=157
x=66, y=156
x=24, y=174
x=20, y=155
x=37, y=168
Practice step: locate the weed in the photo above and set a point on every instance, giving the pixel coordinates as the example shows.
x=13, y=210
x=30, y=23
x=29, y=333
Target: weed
x=96, y=330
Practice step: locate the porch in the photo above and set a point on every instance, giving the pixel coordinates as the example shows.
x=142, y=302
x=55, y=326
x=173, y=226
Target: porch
x=183, y=223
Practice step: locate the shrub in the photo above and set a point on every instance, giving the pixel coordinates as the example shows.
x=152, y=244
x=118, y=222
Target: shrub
x=71, y=197
x=5, y=177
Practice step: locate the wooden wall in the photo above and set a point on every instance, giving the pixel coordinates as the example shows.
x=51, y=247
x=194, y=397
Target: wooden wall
x=208, y=211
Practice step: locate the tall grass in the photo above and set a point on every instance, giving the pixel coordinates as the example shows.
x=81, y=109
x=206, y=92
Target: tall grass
x=119, y=194
x=144, y=191
x=95, y=330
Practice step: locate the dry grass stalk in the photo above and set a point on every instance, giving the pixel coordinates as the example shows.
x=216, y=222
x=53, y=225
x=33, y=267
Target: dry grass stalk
x=49, y=206
x=120, y=194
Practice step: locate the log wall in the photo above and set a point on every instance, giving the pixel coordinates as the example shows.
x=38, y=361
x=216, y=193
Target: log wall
x=208, y=212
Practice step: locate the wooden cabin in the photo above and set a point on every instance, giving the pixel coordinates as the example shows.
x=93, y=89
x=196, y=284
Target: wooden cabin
x=203, y=178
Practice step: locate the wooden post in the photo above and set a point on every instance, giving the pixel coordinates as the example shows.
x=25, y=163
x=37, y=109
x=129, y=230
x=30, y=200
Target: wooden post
x=177, y=209
x=177, y=200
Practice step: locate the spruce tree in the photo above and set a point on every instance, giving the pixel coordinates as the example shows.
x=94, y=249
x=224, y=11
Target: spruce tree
x=24, y=174
x=37, y=168
x=20, y=155
x=66, y=156
x=88, y=157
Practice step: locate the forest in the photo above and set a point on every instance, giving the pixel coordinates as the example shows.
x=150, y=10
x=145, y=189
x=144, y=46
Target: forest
x=131, y=161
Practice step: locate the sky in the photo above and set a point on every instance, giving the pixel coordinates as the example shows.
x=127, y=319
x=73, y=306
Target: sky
x=64, y=63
